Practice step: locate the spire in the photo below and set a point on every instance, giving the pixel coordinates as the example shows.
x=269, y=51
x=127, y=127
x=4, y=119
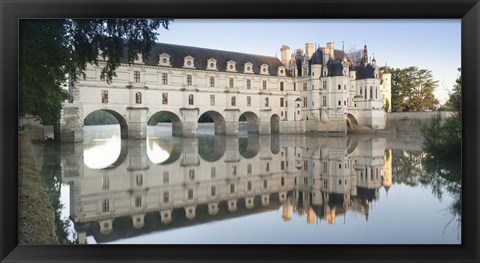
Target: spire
x=365, y=54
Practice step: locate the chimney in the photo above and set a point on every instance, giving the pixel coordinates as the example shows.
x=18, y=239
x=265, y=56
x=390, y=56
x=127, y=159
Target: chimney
x=284, y=54
x=330, y=50
x=309, y=50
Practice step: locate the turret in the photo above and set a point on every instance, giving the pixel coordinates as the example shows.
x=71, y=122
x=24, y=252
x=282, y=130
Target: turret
x=284, y=53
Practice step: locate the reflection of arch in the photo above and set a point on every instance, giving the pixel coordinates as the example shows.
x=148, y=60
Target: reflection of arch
x=123, y=155
x=275, y=124
x=218, y=120
x=249, y=146
x=351, y=144
x=212, y=148
x=121, y=121
x=164, y=150
x=352, y=123
x=275, y=143
x=168, y=116
x=253, y=122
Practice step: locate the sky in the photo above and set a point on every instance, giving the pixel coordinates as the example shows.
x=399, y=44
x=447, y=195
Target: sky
x=426, y=43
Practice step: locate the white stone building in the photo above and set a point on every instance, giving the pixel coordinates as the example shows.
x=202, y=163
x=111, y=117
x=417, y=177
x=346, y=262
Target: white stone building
x=321, y=90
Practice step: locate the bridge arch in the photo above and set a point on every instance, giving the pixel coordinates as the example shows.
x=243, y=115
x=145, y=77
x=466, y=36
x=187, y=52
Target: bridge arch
x=163, y=151
x=249, y=146
x=217, y=118
x=352, y=123
x=167, y=117
x=253, y=122
x=211, y=148
x=120, y=119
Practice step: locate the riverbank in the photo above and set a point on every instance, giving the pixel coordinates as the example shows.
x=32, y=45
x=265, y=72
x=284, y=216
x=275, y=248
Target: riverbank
x=36, y=217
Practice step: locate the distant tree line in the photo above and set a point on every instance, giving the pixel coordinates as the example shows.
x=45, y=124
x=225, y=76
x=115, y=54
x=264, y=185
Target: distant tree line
x=100, y=117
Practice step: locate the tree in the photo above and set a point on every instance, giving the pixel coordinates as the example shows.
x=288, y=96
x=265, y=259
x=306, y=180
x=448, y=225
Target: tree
x=443, y=138
x=54, y=51
x=386, y=107
x=412, y=89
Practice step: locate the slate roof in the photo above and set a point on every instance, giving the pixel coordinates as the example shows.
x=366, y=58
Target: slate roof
x=335, y=67
x=364, y=72
x=177, y=54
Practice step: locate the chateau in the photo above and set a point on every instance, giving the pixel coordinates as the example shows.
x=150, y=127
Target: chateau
x=315, y=90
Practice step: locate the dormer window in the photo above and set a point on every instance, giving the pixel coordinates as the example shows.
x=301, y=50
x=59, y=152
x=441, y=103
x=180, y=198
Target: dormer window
x=281, y=71
x=231, y=66
x=212, y=64
x=164, y=60
x=264, y=69
x=138, y=60
x=188, y=62
x=248, y=68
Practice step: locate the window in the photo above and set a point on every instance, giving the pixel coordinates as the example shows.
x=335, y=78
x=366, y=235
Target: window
x=282, y=181
x=139, y=179
x=340, y=182
x=313, y=87
x=138, y=201
x=281, y=86
x=282, y=165
x=166, y=197
x=325, y=183
x=339, y=103
x=104, y=96
x=164, y=98
x=138, y=98
x=231, y=83
x=305, y=100
x=212, y=100
x=190, y=99
x=249, y=168
x=213, y=172
x=249, y=84
x=234, y=170
x=191, y=174
x=339, y=166
x=136, y=76
x=105, y=183
x=266, y=102
x=232, y=188
x=249, y=101
x=376, y=93
x=164, y=78
x=265, y=184
x=365, y=92
x=344, y=103
x=264, y=84
x=360, y=91
x=304, y=86
x=345, y=87
x=165, y=177
x=281, y=102
x=339, y=87
x=249, y=186
x=212, y=82
x=267, y=168
x=189, y=80
x=105, y=205
x=371, y=92
x=190, y=194
x=305, y=165
x=233, y=101
x=294, y=86
x=325, y=167
x=324, y=84
x=213, y=190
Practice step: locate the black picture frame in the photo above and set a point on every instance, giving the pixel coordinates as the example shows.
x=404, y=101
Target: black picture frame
x=466, y=10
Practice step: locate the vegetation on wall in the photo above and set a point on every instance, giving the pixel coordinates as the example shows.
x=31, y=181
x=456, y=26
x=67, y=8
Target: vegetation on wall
x=55, y=51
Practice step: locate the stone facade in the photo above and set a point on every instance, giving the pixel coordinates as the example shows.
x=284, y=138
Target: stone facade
x=319, y=91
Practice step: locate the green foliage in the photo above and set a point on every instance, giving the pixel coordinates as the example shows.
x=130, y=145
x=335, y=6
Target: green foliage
x=100, y=117
x=412, y=89
x=386, y=107
x=443, y=138
x=158, y=117
x=205, y=118
x=54, y=52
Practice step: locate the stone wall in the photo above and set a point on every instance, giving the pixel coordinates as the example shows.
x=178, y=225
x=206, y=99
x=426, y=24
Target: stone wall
x=410, y=122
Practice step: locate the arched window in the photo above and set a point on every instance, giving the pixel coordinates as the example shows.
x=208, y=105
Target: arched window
x=190, y=99
x=266, y=102
x=234, y=102
x=138, y=98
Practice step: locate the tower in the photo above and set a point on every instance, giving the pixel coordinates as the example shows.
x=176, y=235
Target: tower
x=365, y=55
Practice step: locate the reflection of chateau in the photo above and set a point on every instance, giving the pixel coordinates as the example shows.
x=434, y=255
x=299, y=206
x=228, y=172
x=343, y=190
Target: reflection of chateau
x=316, y=89
x=161, y=184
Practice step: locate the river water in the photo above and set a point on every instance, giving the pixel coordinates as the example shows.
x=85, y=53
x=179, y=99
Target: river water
x=249, y=189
